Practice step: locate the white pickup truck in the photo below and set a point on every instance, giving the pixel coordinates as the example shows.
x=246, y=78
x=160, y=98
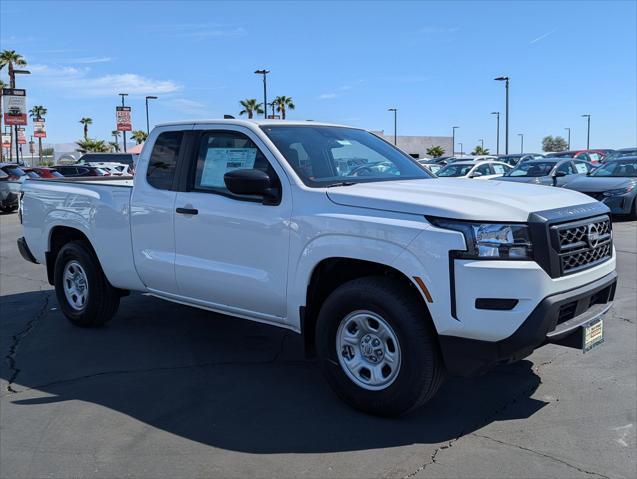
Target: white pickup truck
x=393, y=277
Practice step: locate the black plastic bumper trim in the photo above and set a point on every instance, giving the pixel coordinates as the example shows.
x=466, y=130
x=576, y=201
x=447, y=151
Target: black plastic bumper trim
x=24, y=250
x=471, y=357
x=496, y=304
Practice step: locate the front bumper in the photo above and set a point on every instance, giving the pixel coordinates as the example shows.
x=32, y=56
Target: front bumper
x=620, y=205
x=556, y=319
x=9, y=201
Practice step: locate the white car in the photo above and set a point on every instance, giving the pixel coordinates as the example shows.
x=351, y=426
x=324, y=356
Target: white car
x=478, y=169
x=393, y=277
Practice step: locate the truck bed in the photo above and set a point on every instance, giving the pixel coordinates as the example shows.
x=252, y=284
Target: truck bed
x=99, y=208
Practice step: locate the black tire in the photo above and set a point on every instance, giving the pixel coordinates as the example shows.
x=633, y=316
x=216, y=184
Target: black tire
x=102, y=299
x=421, y=370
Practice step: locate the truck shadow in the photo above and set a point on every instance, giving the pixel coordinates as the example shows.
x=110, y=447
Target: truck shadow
x=224, y=382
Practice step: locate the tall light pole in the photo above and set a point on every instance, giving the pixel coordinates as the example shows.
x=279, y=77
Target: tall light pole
x=588, y=131
x=461, y=148
x=481, y=143
x=521, y=135
x=123, y=132
x=150, y=97
x=12, y=83
x=395, y=110
x=569, y=137
x=264, y=72
x=497, y=132
x=506, y=114
x=453, y=139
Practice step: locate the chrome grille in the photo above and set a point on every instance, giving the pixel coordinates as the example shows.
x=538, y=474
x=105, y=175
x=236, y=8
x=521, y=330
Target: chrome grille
x=583, y=244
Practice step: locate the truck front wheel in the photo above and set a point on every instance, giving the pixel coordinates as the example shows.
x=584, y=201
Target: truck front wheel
x=85, y=296
x=377, y=347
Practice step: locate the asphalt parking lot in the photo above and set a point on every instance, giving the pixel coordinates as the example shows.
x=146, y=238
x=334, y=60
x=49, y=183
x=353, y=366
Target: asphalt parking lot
x=169, y=391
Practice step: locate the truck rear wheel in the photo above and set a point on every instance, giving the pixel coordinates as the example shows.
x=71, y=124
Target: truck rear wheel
x=85, y=296
x=377, y=347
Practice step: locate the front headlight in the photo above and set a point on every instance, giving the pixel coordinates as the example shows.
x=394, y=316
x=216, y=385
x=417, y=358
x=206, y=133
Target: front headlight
x=619, y=191
x=491, y=240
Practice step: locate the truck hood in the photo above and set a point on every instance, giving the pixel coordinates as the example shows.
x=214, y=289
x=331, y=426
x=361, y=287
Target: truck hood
x=457, y=198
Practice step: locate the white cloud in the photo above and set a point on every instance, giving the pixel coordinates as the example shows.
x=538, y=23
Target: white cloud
x=89, y=60
x=328, y=96
x=437, y=29
x=542, y=37
x=215, y=33
x=189, y=107
x=200, y=30
x=78, y=82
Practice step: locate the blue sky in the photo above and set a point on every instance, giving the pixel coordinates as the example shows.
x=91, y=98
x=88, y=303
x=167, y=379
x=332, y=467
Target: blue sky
x=341, y=62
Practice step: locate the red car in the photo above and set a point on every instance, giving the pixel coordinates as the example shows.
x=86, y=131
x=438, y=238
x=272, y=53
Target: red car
x=594, y=156
x=44, y=172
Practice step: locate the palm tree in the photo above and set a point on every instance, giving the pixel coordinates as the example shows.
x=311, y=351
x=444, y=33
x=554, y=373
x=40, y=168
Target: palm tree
x=9, y=58
x=90, y=144
x=283, y=103
x=435, y=151
x=116, y=134
x=139, y=136
x=2, y=85
x=38, y=111
x=114, y=146
x=250, y=107
x=86, y=122
x=480, y=150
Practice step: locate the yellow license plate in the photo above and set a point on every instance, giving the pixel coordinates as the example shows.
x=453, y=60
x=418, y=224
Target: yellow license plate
x=593, y=335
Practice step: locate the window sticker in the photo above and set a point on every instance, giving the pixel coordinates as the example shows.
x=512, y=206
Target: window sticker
x=581, y=168
x=219, y=161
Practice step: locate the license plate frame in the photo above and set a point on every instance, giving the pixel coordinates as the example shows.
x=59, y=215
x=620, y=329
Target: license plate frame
x=592, y=334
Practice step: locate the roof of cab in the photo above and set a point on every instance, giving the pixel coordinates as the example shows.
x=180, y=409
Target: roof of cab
x=250, y=123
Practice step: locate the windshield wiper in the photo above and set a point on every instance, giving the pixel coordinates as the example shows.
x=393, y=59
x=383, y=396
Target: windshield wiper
x=340, y=183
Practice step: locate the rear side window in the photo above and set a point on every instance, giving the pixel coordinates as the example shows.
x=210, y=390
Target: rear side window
x=163, y=160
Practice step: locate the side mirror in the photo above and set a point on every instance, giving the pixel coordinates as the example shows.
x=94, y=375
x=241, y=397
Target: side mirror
x=476, y=174
x=559, y=174
x=252, y=182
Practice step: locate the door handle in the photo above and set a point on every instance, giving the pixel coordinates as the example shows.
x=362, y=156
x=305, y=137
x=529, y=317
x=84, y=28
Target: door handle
x=187, y=211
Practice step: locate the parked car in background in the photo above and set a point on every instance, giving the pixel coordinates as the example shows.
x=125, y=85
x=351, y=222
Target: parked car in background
x=44, y=172
x=479, y=169
x=513, y=160
x=80, y=170
x=614, y=183
x=621, y=153
x=11, y=178
x=592, y=156
x=549, y=171
x=94, y=159
x=431, y=166
x=453, y=159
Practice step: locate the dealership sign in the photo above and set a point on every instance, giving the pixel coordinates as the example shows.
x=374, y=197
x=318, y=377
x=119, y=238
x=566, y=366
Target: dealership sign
x=14, y=105
x=6, y=141
x=22, y=139
x=39, y=130
x=122, y=114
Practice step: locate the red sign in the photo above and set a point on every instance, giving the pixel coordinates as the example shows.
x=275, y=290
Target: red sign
x=6, y=141
x=22, y=139
x=14, y=105
x=39, y=130
x=122, y=114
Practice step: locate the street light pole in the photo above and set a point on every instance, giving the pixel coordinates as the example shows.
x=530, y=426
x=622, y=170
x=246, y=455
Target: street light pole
x=569, y=137
x=506, y=114
x=123, y=132
x=147, y=123
x=453, y=140
x=497, y=132
x=481, y=143
x=12, y=83
x=395, y=110
x=521, y=135
x=588, y=131
x=461, y=148
x=264, y=72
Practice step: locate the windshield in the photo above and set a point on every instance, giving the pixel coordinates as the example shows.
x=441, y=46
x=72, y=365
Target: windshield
x=620, y=168
x=455, y=169
x=535, y=168
x=620, y=154
x=327, y=155
x=14, y=171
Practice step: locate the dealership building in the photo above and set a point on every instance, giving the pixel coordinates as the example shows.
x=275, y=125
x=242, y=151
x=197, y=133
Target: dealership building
x=417, y=146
